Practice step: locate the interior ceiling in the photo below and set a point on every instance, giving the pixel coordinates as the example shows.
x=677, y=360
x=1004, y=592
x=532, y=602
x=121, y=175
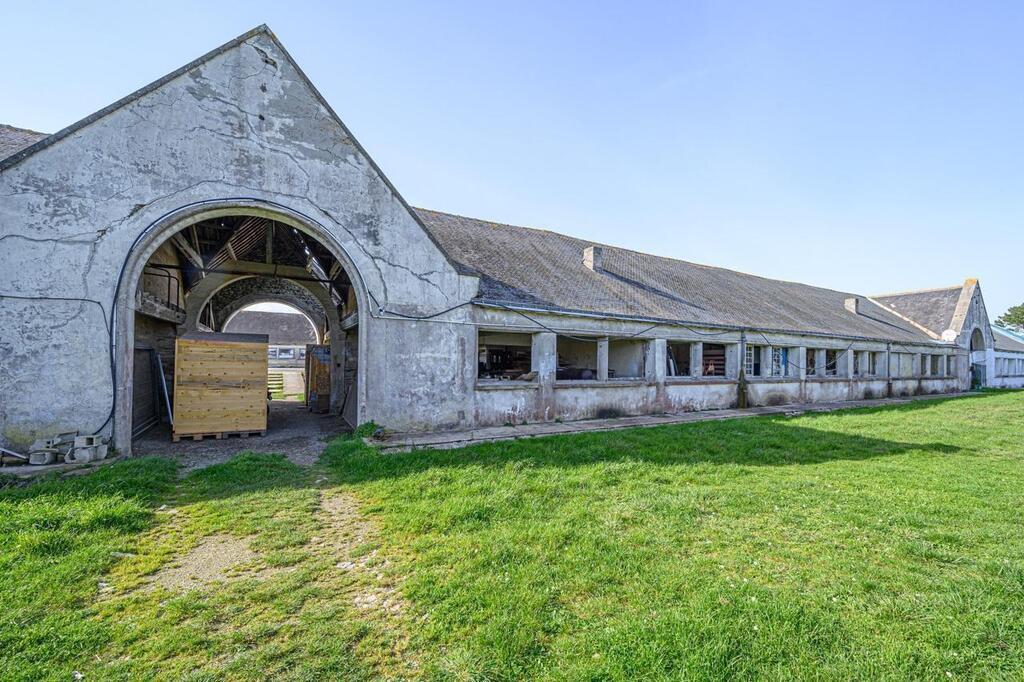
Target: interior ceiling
x=249, y=239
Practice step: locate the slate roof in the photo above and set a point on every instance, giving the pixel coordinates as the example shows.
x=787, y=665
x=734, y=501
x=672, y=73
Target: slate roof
x=933, y=309
x=13, y=140
x=284, y=329
x=541, y=269
x=1007, y=341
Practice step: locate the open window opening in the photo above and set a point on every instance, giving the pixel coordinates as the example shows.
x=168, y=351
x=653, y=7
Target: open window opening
x=713, y=360
x=678, y=359
x=626, y=358
x=811, y=362
x=289, y=332
x=503, y=356
x=577, y=359
x=832, y=362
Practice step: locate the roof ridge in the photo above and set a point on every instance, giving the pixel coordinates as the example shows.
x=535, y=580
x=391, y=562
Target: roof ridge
x=22, y=130
x=918, y=291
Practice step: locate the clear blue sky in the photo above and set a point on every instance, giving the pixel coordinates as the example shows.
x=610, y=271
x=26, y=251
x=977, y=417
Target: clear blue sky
x=863, y=146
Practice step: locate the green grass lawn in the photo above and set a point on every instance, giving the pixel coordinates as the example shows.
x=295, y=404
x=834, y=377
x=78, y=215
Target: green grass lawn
x=867, y=544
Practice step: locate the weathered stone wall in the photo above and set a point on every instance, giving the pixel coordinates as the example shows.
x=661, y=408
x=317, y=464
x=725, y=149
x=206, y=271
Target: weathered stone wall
x=249, y=290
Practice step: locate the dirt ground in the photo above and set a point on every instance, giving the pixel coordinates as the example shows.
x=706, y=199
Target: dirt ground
x=292, y=431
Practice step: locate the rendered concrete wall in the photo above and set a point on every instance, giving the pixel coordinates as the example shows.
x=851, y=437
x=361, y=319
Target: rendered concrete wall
x=244, y=124
x=613, y=399
x=423, y=374
x=1007, y=375
x=826, y=390
x=768, y=392
x=506, y=403
x=684, y=396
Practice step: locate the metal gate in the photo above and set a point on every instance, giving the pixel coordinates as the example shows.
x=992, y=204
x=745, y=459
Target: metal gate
x=144, y=402
x=150, y=401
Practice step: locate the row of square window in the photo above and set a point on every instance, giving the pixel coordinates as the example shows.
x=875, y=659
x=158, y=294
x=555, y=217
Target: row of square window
x=508, y=356
x=1009, y=367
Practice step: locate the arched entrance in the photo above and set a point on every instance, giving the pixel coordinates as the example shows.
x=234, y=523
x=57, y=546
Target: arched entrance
x=251, y=306
x=293, y=343
x=181, y=262
x=978, y=359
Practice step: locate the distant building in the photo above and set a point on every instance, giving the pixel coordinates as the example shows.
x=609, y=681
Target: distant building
x=289, y=333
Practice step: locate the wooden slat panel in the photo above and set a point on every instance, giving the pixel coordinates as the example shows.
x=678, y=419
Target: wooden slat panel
x=219, y=386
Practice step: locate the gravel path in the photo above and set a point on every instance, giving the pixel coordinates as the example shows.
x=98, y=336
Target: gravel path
x=292, y=431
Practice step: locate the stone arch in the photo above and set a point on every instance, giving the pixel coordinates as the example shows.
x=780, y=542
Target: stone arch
x=161, y=230
x=236, y=307
x=977, y=340
x=247, y=291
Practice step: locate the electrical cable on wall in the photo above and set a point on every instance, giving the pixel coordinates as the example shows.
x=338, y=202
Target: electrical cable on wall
x=109, y=329
x=111, y=322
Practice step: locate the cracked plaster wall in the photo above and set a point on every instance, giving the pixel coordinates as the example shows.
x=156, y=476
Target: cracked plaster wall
x=242, y=124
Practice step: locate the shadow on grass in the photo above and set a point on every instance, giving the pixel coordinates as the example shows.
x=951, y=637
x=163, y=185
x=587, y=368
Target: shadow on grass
x=770, y=440
x=756, y=441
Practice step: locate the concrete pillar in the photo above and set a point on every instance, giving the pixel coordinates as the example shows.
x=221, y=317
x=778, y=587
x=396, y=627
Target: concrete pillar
x=656, y=361
x=846, y=363
x=602, y=359
x=799, y=362
x=697, y=358
x=990, y=365
x=655, y=371
x=942, y=365
x=865, y=362
x=732, y=361
x=766, y=361
x=544, y=361
x=819, y=361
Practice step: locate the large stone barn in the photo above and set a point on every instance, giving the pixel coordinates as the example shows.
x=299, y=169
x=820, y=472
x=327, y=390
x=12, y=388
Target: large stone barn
x=232, y=180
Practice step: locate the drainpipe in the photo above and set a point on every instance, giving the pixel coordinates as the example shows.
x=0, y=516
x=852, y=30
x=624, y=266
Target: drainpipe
x=888, y=370
x=741, y=386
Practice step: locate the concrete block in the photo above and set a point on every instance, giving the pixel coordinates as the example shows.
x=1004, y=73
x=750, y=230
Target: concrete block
x=42, y=456
x=88, y=449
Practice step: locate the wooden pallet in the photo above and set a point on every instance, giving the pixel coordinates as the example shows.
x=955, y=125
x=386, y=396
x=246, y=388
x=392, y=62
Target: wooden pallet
x=221, y=435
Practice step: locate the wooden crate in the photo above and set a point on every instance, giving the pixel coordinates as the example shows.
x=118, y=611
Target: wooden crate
x=220, y=384
x=318, y=378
